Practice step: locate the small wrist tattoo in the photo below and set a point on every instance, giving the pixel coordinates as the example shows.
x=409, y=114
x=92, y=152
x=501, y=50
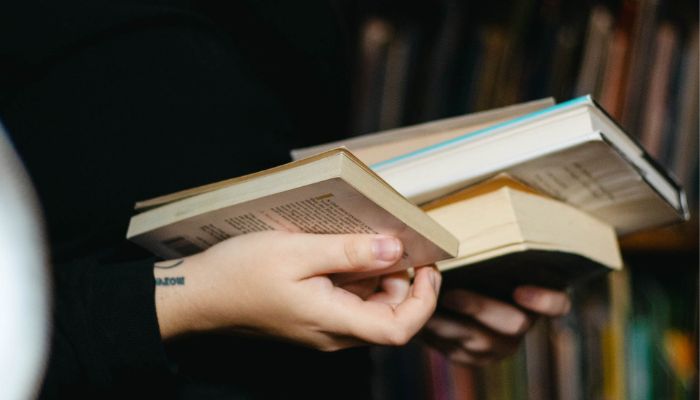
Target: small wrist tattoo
x=168, y=264
x=171, y=281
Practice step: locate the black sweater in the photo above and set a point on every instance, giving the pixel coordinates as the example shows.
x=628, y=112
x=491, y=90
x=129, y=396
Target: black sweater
x=109, y=102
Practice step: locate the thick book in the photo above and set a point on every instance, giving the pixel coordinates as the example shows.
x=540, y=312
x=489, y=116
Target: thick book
x=573, y=151
x=511, y=234
x=379, y=146
x=331, y=192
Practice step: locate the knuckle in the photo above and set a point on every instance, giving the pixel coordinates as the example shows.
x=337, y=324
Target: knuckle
x=464, y=302
x=432, y=305
x=519, y=325
x=481, y=344
x=473, y=305
x=459, y=357
x=351, y=250
x=330, y=347
x=398, y=336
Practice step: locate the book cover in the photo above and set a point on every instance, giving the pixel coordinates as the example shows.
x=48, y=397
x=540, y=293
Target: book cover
x=573, y=151
x=332, y=192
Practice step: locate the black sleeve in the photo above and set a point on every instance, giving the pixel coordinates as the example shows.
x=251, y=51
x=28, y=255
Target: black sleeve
x=139, y=112
x=135, y=104
x=105, y=333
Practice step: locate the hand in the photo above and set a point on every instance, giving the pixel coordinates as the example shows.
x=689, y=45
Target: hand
x=489, y=329
x=277, y=284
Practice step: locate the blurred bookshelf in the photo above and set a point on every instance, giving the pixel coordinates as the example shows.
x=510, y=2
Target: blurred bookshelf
x=630, y=335
x=678, y=238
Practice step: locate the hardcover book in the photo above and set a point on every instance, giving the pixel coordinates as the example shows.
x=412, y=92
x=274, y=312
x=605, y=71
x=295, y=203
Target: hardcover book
x=573, y=151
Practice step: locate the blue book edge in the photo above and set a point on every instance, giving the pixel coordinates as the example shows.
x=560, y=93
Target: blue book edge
x=567, y=104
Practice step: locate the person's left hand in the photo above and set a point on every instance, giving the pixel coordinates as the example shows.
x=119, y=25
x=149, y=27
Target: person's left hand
x=487, y=329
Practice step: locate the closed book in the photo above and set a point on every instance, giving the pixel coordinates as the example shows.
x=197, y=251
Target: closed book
x=573, y=151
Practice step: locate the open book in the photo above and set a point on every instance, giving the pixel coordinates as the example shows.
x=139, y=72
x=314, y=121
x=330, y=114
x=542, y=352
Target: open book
x=331, y=192
x=571, y=151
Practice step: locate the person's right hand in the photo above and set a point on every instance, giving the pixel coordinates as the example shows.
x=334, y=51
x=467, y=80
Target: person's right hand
x=480, y=330
x=277, y=284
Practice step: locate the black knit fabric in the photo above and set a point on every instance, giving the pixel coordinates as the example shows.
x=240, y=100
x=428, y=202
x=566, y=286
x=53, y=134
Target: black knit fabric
x=109, y=102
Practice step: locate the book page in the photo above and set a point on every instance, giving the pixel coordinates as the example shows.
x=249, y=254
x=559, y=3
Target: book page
x=595, y=178
x=327, y=207
x=480, y=188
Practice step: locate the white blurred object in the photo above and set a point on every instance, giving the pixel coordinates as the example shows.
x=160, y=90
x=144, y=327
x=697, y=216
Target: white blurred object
x=24, y=281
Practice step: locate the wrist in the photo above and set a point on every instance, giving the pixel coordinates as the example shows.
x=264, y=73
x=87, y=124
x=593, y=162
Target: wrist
x=172, y=280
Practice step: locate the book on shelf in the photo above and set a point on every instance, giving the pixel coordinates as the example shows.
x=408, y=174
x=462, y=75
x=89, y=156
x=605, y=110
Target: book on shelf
x=331, y=192
x=597, y=40
x=572, y=151
x=684, y=160
x=656, y=110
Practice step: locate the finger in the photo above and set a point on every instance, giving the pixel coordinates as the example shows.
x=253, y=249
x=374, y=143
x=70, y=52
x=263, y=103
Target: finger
x=458, y=355
x=494, y=314
x=328, y=254
x=548, y=302
x=363, y=288
x=394, y=288
x=471, y=336
x=415, y=310
x=382, y=323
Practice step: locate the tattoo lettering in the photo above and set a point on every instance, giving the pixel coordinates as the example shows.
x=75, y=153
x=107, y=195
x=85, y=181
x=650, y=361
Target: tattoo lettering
x=171, y=281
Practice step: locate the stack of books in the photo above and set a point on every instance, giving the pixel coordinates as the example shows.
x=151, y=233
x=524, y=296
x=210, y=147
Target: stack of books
x=531, y=193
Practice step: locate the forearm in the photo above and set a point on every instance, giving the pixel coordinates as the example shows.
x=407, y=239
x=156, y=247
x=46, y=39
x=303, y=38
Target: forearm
x=182, y=289
x=171, y=297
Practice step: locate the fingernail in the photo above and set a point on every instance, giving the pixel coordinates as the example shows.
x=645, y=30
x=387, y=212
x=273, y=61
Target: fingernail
x=386, y=248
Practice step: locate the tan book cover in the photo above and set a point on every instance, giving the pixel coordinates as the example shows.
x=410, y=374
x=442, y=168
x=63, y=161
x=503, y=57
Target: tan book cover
x=510, y=234
x=332, y=192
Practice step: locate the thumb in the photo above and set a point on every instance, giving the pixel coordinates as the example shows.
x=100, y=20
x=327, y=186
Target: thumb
x=330, y=254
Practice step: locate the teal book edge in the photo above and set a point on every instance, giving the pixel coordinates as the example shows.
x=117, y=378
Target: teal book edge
x=567, y=104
